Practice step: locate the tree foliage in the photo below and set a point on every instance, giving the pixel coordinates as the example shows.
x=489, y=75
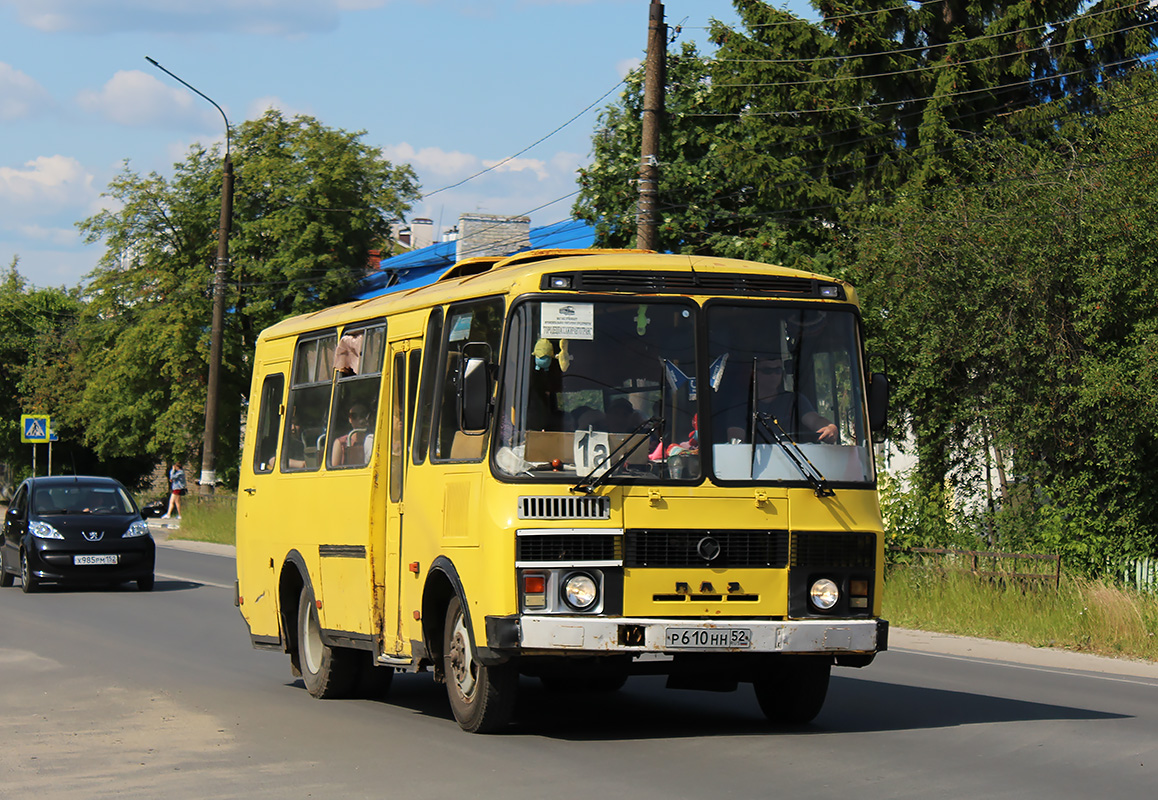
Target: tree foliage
x=310, y=203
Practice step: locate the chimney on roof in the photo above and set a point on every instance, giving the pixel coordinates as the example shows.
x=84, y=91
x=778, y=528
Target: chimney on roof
x=421, y=232
x=492, y=235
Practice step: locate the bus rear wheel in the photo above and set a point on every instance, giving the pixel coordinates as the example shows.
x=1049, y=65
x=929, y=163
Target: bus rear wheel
x=328, y=672
x=482, y=697
x=791, y=689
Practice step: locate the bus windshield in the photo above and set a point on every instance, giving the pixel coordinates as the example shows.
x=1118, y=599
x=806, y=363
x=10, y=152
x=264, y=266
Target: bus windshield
x=591, y=385
x=788, y=379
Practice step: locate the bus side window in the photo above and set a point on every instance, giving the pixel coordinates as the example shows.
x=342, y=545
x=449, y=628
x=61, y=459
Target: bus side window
x=426, y=393
x=468, y=323
x=354, y=413
x=309, y=403
x=268, y=423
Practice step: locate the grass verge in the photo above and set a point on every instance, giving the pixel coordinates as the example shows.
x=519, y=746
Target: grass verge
x=1082, y=615
x=208, y=519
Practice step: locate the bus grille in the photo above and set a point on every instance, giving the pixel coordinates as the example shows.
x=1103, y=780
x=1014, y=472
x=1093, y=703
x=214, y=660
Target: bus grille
x=694, y=548
x=815, y=549
x=556, y=507
x=567, y=547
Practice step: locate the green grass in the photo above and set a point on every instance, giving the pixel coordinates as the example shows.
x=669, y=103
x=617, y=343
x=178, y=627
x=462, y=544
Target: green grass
x=1082, y=615
x=211, y=519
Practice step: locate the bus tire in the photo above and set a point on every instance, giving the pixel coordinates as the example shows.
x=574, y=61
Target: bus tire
x=482, y=697
x=791, y=689
x=328, y=672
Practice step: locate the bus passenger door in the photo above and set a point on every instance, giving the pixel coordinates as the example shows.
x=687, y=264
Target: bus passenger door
x=405, y=358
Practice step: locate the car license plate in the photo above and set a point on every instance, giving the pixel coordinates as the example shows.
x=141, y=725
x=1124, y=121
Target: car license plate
x=708, y=638
x=88, y=561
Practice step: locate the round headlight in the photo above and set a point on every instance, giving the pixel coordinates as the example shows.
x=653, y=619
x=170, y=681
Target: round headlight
x=580, y=591
x=824, y=594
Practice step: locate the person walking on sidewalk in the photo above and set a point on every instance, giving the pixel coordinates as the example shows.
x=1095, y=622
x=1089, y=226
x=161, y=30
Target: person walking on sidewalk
x=176, y=489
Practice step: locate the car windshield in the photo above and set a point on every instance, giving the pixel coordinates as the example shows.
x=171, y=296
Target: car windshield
x=81, y=498
x=786, y=379
x=599, y=391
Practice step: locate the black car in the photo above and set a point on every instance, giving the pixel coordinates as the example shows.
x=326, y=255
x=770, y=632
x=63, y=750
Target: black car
x=75, y=529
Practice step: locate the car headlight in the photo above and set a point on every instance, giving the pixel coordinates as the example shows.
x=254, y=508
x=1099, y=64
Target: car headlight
x=42, y=530
x=138, y=528
x=824, y=594
x=580, y=591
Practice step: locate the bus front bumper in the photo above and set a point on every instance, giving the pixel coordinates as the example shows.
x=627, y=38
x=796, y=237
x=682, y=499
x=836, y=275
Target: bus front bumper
x=563, y=634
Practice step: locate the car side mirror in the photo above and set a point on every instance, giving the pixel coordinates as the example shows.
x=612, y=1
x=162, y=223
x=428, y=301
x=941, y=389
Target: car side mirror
x=878, y=402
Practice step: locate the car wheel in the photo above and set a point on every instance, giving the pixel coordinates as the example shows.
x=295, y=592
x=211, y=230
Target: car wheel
x=482, y=697
x=328, y=672
x=28, y=581
x=6, y=578
x=791, y=690
x=145, y=584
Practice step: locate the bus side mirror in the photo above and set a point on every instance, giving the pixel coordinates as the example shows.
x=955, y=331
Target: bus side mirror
x=878, y=402
x=474, y=395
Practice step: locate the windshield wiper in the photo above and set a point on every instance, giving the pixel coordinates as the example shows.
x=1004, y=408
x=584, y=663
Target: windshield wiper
x=644, y=430
x=791, y=449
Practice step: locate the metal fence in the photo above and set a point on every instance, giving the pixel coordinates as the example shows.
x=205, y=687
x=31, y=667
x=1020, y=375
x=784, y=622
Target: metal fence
x=1016, y=567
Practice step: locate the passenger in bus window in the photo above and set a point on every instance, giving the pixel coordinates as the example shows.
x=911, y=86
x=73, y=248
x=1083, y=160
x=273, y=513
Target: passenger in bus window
x=295, y=446
x=792, y=410
x=348, y=356
x=353, y=448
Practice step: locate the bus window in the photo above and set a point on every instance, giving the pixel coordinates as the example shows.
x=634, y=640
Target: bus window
x=426, y=395
x=309, y=403
x=467, y=324
x=412, y=391
x=584, y=380
x=355, y=407
x=268, y=423
x=397, y=425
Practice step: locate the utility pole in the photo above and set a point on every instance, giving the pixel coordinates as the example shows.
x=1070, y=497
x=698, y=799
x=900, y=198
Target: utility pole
x=655, y=80
x=217, y=331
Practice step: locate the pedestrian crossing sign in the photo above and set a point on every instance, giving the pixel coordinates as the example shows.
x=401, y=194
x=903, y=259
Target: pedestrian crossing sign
x=34, y=428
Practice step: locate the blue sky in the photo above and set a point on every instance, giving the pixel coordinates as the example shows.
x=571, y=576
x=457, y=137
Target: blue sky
x=448, y=86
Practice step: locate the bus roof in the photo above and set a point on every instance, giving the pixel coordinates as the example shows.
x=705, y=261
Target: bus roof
x=491, y=275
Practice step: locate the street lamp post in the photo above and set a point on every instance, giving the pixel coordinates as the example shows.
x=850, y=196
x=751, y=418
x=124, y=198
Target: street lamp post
x=217, y=331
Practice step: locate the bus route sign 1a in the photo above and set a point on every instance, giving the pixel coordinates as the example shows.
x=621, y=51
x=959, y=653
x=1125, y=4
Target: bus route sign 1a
x=35, y=428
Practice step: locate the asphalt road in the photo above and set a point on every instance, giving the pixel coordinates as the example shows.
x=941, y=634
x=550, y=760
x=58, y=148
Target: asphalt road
x=149, y=695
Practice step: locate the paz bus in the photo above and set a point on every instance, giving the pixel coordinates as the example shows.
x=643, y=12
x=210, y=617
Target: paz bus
x=570, y=466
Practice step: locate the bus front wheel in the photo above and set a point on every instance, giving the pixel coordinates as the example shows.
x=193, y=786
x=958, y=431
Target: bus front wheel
x=328, y=672
x=791, y=689
x=482, y=697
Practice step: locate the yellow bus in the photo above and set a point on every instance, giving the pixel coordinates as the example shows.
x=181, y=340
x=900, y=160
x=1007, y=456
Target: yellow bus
x=574, y=466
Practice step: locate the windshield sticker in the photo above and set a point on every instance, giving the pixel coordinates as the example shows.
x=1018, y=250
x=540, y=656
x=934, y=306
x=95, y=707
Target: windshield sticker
x=460, y=330
x=568, y=321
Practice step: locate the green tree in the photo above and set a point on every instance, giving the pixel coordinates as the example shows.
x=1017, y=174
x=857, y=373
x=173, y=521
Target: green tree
x=310, y=203
x=1017, y=312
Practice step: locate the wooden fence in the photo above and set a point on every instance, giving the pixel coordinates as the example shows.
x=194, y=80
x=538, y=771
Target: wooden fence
x=1022, y=567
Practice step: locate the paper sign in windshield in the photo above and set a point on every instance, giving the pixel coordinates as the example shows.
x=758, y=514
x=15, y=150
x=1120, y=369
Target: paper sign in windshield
x=568, y=321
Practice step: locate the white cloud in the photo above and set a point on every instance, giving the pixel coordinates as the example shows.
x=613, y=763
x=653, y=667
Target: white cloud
x=20, y=95
x=624, y=67
x=57, y=237
x=539, y=168
x=260, y=105
x=431, y=160
x=135, y=98
x=45, y=183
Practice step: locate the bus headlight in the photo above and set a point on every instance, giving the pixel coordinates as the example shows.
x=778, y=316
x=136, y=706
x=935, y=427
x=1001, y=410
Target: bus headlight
x=580, y=591
x=824, y=594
